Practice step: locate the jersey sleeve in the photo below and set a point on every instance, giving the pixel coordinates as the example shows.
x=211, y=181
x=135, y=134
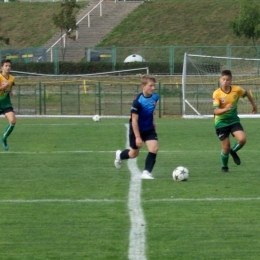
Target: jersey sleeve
x=156, y=97
x=136, y=106
x=242, y=92
x=215, y=100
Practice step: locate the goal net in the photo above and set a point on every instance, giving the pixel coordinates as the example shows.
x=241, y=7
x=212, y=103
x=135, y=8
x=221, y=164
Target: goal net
x=200, y=77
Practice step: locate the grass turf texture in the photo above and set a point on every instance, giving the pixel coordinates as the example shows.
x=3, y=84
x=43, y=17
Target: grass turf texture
x=62, y=198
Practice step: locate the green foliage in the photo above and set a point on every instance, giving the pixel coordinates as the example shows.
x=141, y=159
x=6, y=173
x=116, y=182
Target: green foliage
x=97, y=67
x=2, y=38
x=93, y=67
x=66, y=21
x=247, y=23
x=181, y=23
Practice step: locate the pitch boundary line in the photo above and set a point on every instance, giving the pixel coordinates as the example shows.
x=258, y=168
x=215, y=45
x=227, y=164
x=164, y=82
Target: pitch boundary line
x=123, y=201
x=201, y=199
x=88, y=151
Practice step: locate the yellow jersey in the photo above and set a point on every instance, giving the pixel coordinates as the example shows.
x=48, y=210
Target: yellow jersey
x=221, y=100
x=5, y=101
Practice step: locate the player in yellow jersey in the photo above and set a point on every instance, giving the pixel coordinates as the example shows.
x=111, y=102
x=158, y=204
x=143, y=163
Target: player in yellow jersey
x=6, y=84
x=225, y=101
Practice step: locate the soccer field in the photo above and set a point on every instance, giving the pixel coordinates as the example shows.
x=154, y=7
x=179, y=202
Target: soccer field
x=62, y=198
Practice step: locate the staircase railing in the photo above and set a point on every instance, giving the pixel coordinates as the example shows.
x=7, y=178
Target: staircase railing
x=63, y=37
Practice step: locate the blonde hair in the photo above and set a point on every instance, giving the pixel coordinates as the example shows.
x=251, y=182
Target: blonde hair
x=146, y=78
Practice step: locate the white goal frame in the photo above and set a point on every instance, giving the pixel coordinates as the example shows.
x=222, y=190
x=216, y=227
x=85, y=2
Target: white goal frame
x=187, y=105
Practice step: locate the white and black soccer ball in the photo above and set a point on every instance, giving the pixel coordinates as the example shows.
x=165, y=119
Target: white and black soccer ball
x=180, y=174
x=96, y=118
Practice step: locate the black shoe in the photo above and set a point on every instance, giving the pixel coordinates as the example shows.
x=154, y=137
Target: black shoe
x=224, y=169
x=235, y=157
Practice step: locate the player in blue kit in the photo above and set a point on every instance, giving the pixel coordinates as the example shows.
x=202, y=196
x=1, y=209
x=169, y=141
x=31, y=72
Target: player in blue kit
x=142, y=127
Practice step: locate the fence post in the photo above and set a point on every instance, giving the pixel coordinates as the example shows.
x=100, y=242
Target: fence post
x=19, y=92
x=78, y=99
x=171, y=60
x=56, y=60
x=121, y=100
x=99, y=98
x=44, y=99
x=61, y=112
x=40, y=98
x=160, y=106
x=113, y=58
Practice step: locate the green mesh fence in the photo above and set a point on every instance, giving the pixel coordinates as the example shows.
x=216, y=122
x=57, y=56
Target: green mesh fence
x=89, y=99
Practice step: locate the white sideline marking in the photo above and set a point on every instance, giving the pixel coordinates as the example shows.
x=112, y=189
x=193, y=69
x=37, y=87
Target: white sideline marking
x=136, y=248
x=58, y=200
x=122, y=201
x=202, y=199
x=88, y=151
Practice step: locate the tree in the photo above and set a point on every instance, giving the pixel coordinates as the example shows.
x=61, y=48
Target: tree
x=2, y=38
x=66, y=21
x=247, y=23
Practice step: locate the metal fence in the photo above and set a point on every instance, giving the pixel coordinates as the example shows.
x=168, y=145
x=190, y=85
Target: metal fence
x=89, y=99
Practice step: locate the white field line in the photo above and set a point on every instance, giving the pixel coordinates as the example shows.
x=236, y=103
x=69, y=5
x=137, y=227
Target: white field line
x=91, y=151
x=124, y=201
x=88, y=151
x=60, y=201
x=136, y=248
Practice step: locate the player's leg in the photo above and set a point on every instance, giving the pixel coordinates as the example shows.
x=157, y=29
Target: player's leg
x=151, y=142
x=223, y=135
x=224, y=155
x=152, y=146
x=10, y=115
x=127, y=153
x=238, y=132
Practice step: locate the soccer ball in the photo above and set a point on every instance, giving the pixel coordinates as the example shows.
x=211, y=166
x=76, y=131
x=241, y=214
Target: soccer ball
x=180, y=174
x=96, y=118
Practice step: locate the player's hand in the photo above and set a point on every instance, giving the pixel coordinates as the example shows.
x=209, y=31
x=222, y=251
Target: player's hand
x=5, y=84
x=228, y=107
x=138, y=141
x=254, y=110
x=10, y=93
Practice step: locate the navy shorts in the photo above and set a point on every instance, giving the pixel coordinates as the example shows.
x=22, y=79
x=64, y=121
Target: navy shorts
x=146, y=136
x=6, y=110
x=224, y=132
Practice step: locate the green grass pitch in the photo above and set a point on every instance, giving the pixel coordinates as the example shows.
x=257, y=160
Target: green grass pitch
x=62, y=198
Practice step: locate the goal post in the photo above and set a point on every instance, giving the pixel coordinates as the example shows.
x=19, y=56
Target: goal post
x=200, y=77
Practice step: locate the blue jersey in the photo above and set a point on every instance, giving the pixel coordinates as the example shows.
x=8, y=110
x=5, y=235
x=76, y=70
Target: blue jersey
x=144, y=107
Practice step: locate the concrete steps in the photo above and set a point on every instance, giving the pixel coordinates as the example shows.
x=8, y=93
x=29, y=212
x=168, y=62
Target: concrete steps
x=112, y=14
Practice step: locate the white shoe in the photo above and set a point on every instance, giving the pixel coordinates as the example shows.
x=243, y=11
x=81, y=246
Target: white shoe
x=147, y=175
x=118, y=162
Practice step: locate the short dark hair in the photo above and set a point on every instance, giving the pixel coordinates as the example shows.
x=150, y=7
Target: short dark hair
x=146, y=78
x=5, y=61
x=226, y=73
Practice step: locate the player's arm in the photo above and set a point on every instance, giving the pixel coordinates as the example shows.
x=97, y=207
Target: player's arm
x=216, y=106
x=138, y=139
x=4, y=85
x=251, y=100
x=219, y=111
